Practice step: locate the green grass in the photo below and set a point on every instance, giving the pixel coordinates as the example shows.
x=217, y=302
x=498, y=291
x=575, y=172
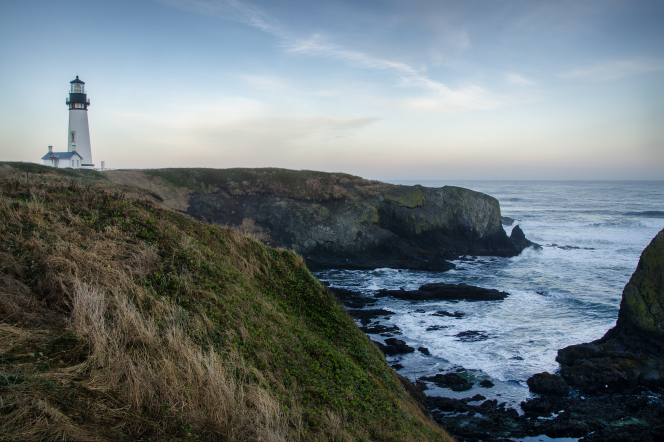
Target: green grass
x=226, y=292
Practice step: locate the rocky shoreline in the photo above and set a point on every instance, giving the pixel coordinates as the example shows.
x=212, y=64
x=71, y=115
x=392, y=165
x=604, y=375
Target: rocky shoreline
x=608, y=390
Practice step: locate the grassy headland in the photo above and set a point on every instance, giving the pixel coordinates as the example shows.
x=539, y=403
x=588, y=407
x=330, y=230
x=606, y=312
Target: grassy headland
x=121, y=320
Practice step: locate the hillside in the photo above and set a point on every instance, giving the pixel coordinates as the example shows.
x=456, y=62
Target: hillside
x=335, y=220
x=122, y=320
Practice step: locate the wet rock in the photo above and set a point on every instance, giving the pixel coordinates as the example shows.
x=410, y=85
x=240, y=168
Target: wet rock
x=449, y=314
x=445, y=292
x=398, y=346
x=397, y=367
x=379, y=328
x=538, y=406
x=450, y=380
x=472, y=336
x=393, y=347
x=424, y=350
x=546, y=383
x=518, y=237
x=566, y=428
x=448, y=404
x=486, y=384
x=437, y=327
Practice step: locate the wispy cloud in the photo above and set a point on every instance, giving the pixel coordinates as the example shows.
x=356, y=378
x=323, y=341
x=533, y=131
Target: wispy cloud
x=614, y=70
x=265, y=82
x=513, y=78
x=281, y=132
x=444, y=97
x=232, y=10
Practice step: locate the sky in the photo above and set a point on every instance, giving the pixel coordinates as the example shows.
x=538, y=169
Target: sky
x=384, y=89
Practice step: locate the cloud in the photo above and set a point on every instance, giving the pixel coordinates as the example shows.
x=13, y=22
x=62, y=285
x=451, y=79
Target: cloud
x=614, y=70
x=232, y=10
x=469, y=97
x=513, y=78
x=281, y=132
x=265, y=82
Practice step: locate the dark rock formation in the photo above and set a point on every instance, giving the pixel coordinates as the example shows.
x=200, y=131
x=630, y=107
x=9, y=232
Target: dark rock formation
x=472, y=336
x=424, y=350
x=519, y=238
x=437, y=327
x=632, y=353
x=394, y=346
x=546, y=383
x=377, y=328
x=450, y=380
x=506, y=221
x=457, y=315
x=445, y=292
x=342, y=221
x=616, y=418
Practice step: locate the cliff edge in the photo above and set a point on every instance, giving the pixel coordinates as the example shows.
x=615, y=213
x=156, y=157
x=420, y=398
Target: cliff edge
x=336, y=220
x=632, y=353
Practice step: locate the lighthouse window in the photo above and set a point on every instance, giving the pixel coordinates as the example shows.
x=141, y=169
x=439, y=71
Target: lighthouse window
x=77, y=88
x=73, y=136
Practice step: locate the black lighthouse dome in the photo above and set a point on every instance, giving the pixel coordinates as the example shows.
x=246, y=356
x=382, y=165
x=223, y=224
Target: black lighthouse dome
x=77, y=96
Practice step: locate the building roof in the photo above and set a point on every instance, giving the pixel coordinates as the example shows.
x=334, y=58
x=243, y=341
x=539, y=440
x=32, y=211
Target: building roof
x=77, y=80
x=60, y=155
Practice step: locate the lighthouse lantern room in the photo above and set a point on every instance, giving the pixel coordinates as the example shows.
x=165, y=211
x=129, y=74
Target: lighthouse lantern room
x=79, y=153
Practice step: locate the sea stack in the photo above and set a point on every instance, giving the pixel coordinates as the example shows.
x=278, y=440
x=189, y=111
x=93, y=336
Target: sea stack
x=632, y=353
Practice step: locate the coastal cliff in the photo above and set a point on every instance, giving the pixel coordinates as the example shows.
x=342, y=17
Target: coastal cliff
x=632, y=353
x=336, y=220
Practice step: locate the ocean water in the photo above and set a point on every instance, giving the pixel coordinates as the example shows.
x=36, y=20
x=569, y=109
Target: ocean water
x=567, y=293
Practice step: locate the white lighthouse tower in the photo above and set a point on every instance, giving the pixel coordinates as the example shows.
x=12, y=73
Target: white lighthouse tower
x=78, y=139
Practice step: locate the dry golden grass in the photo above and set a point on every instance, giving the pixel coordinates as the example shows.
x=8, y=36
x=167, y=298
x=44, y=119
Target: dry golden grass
x=129, y=354
x=109, y=332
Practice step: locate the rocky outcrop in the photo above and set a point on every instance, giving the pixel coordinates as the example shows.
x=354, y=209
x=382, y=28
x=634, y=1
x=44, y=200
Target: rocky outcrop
x=632, y=353
x=394, y=346
x=341, y=221
x=440, y=291
x=519, y=238
x=547, y=383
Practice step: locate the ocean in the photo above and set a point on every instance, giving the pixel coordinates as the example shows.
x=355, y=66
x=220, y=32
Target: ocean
x=592, y=234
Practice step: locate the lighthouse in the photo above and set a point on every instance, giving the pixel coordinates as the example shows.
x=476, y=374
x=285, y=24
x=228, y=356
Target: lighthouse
x=79, y=154
x=78, y=139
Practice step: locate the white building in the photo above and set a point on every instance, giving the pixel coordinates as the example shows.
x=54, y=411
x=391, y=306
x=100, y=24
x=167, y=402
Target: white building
x=79, y=153
x=63, y=160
